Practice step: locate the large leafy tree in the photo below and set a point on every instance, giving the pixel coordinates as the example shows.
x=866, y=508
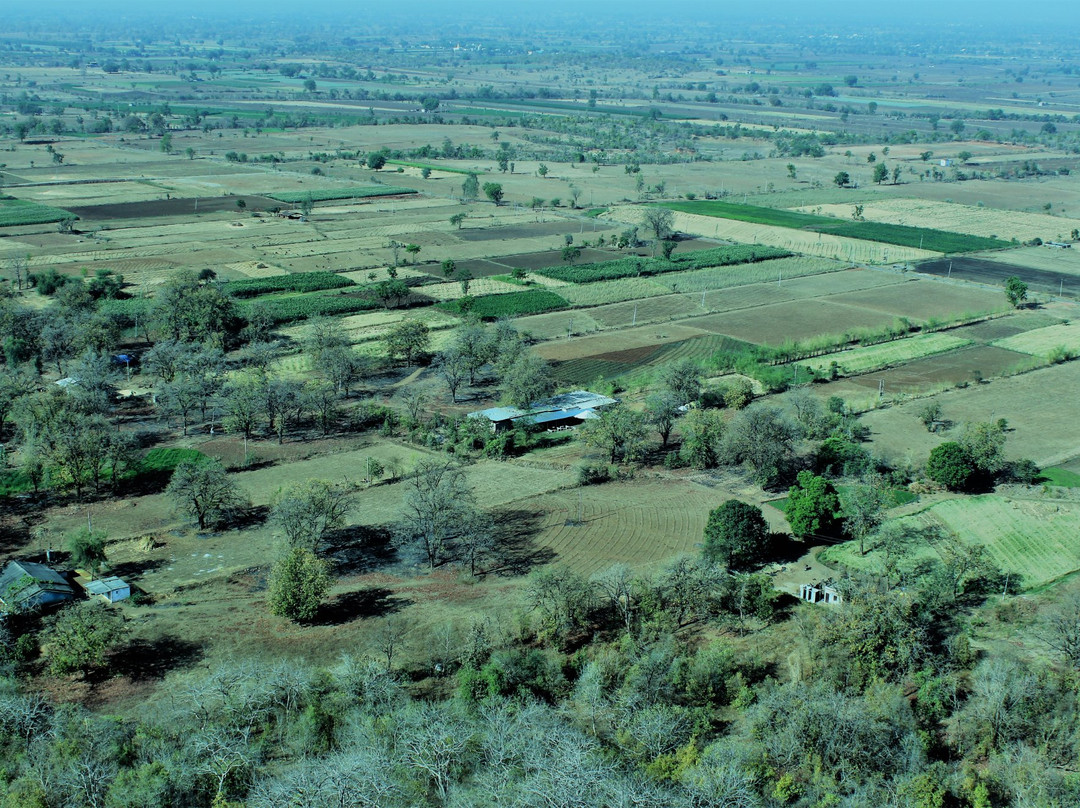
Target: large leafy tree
x=306, y=512
x=622, y=432
x=80, y=635
x=736, y=534
x=407, y=340
x=813, y=507
x=438, y=515
x=950, y=465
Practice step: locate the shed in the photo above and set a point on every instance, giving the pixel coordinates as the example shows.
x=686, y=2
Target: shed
x=111, y=589
x=26, y=585
x=558, y=412
x=820, y=593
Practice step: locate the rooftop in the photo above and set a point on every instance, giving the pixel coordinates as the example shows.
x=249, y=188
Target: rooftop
x=567, y=405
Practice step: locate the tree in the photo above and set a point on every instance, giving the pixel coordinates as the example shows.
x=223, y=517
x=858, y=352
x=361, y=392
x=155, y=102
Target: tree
x=763, y=438
x=1016, y=291
x=457, y=219
x=735, y=534
x=895, y=175
x=984, y=443
x=464, y=277
x=542, y=170
x=702, y=433
x=407, y=339
x=659, y=221
x=298, y=582
x=87, y=549
x=667, y=248
x=307, y=511
x=205, y=492
x=436, y=510
x=454, y=366
x=682, y=380
x=527, y=379
x=80, y=635
x=881, y=173
x=470, y=189
x=375, y=160
x=429, y=103
x=951, y=466
x=661, y=410
x=448, y=268
x=570, y=254
x=619, y=430
x=413, y=250
x=494, y=192
x=813, y=508
x=792, y=172
x=863, y=507
x=842, y=179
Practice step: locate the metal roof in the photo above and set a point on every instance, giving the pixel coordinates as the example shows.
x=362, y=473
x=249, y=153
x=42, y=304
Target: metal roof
x=499, y=413
x=579, y=400
x=44, y=579
x=104, y=586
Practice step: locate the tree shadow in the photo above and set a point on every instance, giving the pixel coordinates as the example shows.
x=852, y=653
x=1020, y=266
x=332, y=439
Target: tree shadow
x=246, y=518
x=359, y=549
x=145, y=660
x=375, y=601
x=129, y=570
x=785, y=549
x=516, y=551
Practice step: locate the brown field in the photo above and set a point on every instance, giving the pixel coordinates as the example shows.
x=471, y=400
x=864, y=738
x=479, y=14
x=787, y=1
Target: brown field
x=996, y=272
x=1039, y=406
x=778, y=322
x=923, y=300
x=934, y=372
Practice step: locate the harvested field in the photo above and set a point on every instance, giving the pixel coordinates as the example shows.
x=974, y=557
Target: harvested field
x=669, y=307
x=924, y=300
x=860, y=360
x=156, y=207
x=606, y=292
x=1001, y=327
x=642, y=336
x=1040, y=407
x=956, y=367
x=971, y=219
x=559, y=227
x=779, y=322
x=580, y=372
x=1041, y=341
x=1038, y=540
x=553, y=258
x=1048, y=259
x=995, y=273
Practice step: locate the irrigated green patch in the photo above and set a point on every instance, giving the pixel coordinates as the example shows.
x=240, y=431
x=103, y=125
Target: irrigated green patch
x=491, y=307
x=429, y=166
x=641, y=267
x=352, y=192
x=1063, y=478
x=18, y=211
x=298, y=282
x=288, y=309
x=920, y=237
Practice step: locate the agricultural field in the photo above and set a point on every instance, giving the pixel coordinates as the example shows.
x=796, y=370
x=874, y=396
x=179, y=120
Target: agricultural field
x=1043, y=341
x=872, y=357
x=969, y=219
x=1043, y=282
x=1035, y=539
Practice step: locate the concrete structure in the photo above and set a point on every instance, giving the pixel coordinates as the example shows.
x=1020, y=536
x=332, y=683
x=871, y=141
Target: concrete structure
x=820, y=593
x=558, y=412
x=26, y=585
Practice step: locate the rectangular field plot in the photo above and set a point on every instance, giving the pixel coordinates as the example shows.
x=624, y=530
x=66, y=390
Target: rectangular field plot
x=774, y=324
x=578, y=372
x=956, y=367
x=922, y=300
x=597, y=344
x=1002, y=327
x=996, y=272
x=1039, y=541
x=1042, y=341
x=1047, y=259
x=860, y=360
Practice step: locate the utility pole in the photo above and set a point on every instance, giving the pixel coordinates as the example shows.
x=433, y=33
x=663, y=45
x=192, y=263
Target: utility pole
x=634, y=322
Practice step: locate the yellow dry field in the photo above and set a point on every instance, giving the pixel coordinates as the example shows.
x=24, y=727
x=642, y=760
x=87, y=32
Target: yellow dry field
x=1042, y=341
x=970, y=219
x=479, y=286
x=255, y=269
x=1050, y=259
x=97, y=193
x=822, y=245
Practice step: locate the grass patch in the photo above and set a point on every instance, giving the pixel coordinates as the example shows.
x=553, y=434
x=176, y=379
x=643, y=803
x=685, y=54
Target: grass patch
x=157, y=461
x=14, y=212
x=1063, y=478
x=925, y=238
x=642, y=267
x=491, y=307
x=352, y=192
x=592, y=213
x=298, y=282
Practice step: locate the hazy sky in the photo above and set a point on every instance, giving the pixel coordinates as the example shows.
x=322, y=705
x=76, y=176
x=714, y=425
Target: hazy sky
x=951, y=12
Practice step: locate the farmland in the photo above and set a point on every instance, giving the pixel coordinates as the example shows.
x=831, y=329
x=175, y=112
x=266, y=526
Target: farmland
x=308, y=262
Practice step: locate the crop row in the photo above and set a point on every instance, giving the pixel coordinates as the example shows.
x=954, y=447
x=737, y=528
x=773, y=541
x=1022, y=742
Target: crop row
x=352, y=192
x=300, y=307
x=638, y=267
x=491, y=307
x=297, y=282
x=926, y=238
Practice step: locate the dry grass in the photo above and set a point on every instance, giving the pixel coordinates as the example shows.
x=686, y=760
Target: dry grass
x=860, y=360
x=1042, y=341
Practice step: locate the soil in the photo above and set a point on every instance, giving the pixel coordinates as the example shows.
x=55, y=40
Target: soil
x=173, y=207
x=996, y=273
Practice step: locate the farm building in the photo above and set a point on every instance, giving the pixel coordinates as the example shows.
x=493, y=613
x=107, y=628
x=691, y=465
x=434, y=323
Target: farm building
x=558, y=412
x=820, y=593
x=111, y=589
x=25, y=585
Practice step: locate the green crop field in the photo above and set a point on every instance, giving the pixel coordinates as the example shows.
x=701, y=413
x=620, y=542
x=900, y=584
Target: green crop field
x=15, y=212
x=638, y=267
x=921, y=237
x=1037, y=540
x=352, y=192
x=298, y=282
x=872, y=357
x=1063, y=478
x=287, y=309
x=491, y=307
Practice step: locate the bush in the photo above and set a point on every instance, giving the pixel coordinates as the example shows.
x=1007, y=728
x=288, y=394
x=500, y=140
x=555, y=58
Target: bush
x=492, y=307
x=594, y=475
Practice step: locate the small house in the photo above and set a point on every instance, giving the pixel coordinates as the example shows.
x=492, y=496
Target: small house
x=563, y=411
x=25, y=585
x=110, y=589
x=820, y=593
